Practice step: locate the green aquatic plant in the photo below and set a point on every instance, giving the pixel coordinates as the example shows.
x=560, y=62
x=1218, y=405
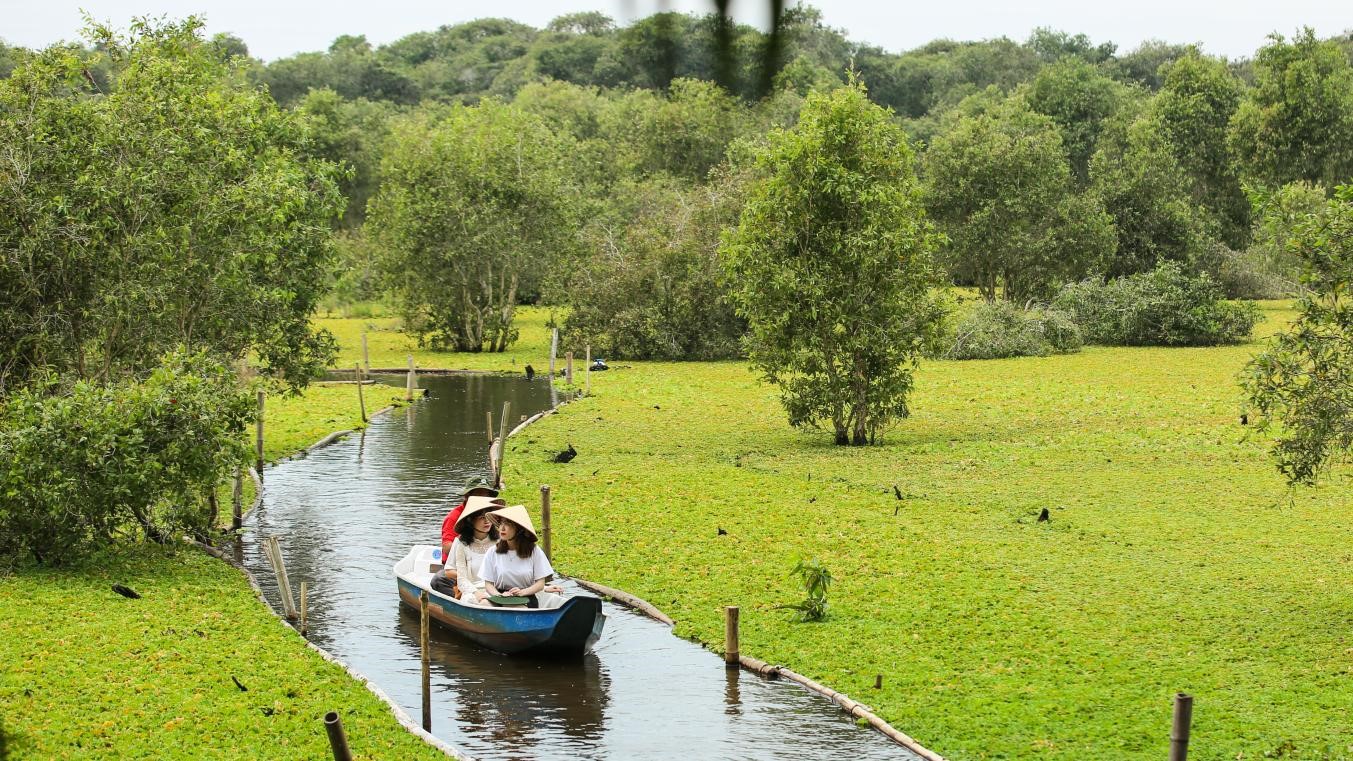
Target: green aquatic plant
x=816, y=578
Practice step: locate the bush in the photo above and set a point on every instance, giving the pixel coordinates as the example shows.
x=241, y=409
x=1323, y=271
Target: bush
x=1163, y=307
x=83, y=464
x=1001, y=329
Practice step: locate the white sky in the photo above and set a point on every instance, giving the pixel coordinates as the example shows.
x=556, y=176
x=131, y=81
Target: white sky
x=278, y=28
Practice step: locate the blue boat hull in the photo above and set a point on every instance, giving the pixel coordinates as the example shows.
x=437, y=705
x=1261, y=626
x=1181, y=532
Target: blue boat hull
x=569, y=630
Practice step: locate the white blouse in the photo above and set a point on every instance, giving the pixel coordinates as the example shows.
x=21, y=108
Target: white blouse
x=506, y=570
x=468, y=558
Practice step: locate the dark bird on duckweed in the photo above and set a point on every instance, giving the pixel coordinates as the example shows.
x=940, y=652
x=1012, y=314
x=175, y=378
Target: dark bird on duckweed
x=530, y=372
x=897, y=492
x=237, y=684
x=722, y=532
x=126, y=592
x=1043, y=516
x=1244, y=419
x=567, y=455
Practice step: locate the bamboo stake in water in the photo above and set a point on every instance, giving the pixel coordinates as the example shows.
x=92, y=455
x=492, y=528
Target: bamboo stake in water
x=489, y=414
x=502, y=443
x=730, y=636
x=237, y=501
x=554, y=349
x=361, y=400
x=1179, y=732
x=273, y=550
x=545, y=519
x=258, y=442
x=568, y=368
x=427, y=677
x=409, y=382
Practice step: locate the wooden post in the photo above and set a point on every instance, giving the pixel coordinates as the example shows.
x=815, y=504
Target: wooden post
x=258, y=443
x=237, y=501
x=366, y=355
x=730, y=636
x=502, y=444
x=361, y=400
x=409, y=382
x=1179, y=733
x=427, y=678
x=587, y=372
x=273, y=549
x=568, y=368
x=338, y=741
x=878, y=681
x=545, y=519
x=489, y=414
x=554, y=349
x=304, y=610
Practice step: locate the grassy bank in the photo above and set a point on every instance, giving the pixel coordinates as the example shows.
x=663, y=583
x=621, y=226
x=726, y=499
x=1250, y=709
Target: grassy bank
x=1175, y=559
x=389, y=348
x=90, y=674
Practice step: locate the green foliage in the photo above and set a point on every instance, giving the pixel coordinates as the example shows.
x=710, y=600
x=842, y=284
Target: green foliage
x=84, y=464
x=173, y=206
x=1019, y=245
x=1277, y=216
x=473, y=201
x=1163, y=307
x=1302, y=384
x=652, y=288
x=815, y=579
x=349, y=134
x=1148, y=63
x=999, y=330
x=1080, y=98
x=1297, y=121
x=1147, y=194
x=1197, y=100
x=831, y=265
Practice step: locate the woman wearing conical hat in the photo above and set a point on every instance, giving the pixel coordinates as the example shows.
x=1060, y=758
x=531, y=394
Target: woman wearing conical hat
x=516, y=567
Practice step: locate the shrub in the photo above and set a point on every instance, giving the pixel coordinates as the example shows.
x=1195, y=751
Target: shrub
x=83, y=464
x=815, y=579
x=1001, y=329
x=1163, y=307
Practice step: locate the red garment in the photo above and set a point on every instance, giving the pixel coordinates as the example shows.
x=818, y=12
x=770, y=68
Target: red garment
x=449, y=523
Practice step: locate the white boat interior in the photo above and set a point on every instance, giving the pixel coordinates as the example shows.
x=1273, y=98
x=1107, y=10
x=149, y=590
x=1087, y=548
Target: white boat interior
x=424, y=560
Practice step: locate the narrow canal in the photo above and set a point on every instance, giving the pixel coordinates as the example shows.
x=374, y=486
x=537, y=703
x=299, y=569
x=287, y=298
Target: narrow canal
x=346, y=513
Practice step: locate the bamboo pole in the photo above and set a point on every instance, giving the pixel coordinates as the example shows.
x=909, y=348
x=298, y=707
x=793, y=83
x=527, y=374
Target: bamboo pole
x=568, y=368
x=304, y=610
x=361, y=400
x=283, y=584
x=258, y=437
x=730, y=636
x=366, y=355
x=587, y=372
x=489, y=414
x=237, y=501
x=409, y=382
x=338, y=740
x=554, y=350
x=502, y=444
x=1179, y=732
x=427, y=677
x=545, y=520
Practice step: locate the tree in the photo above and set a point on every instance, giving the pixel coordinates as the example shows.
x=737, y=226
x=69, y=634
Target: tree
x=1080, y=98
x=176, y=206
x=999, y=186
x=1302, y=384
x=1197, y=100
x=831, y=265
x=472, y=200
x=1297, y=123
x=349, y=133
x=1147, y=194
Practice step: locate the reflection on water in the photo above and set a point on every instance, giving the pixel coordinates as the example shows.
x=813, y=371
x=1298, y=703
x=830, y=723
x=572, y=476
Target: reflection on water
x=348, y=512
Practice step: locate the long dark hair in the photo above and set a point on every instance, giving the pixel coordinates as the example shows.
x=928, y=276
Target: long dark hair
x=468, y=536
x=526, y=543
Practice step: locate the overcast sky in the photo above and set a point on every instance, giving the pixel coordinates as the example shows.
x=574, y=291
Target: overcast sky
x=278, y=28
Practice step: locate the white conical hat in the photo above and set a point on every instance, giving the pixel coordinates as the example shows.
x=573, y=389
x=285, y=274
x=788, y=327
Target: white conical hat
x=518, y=515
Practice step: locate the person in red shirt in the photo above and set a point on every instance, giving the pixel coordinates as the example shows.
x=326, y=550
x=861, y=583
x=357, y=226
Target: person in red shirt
x=477, y=488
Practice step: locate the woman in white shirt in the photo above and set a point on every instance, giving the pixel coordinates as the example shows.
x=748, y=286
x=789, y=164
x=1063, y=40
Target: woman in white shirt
x=475, y=537
x=516, y=566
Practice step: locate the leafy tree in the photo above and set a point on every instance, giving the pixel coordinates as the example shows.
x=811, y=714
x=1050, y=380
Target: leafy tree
x=1080, y=99
x=1279, y=215
x=1302, y=384
x=683, y=134
x=652, y=287
x=1147, y=194
x=999, y=186
x=176, y=207
x=1297, y=123
x=349, y=134
x=831, y=265
x=1053, y=45
x=1146, y=65
x=472, y=200
x=1197, y=100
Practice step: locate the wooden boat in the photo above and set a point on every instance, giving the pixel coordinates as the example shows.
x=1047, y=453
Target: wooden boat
x=560, y=626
